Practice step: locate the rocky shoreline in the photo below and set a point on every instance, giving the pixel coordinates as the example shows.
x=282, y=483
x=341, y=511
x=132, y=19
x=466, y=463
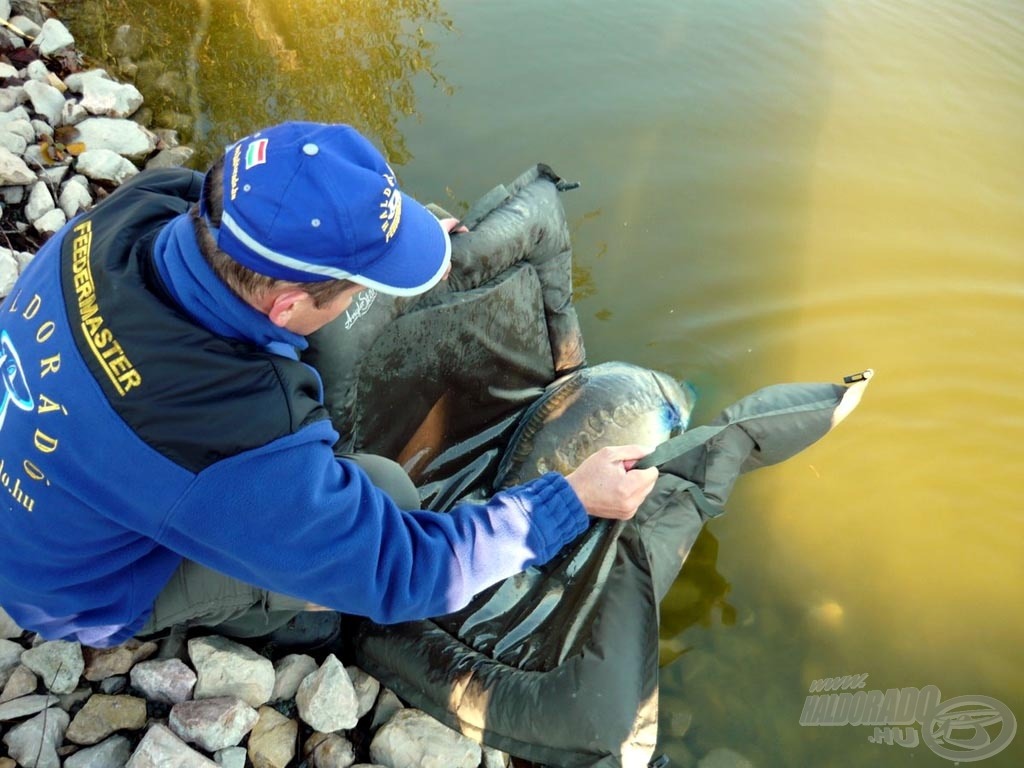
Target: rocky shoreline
x=208, y=702
x=67, y=134
x=67, y=140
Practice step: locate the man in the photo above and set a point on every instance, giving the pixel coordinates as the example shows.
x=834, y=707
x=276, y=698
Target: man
x=164, y=456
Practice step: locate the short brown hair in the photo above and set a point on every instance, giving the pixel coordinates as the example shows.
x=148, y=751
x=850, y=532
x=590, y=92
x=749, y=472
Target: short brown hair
x=243, y=281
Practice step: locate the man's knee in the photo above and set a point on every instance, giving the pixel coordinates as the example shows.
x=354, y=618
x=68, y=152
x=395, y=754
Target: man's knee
x=389, y=476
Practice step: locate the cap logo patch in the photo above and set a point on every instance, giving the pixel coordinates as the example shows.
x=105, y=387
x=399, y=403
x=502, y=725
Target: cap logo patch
x=391, y=209
x=256, y=153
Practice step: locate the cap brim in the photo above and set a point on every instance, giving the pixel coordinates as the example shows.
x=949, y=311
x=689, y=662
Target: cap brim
x=419, y=255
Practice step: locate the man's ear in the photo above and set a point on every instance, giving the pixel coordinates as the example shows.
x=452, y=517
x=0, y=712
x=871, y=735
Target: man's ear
x=280, y=306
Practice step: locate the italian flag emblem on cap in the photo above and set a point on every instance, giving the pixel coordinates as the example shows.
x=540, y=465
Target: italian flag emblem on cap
x=256, y=153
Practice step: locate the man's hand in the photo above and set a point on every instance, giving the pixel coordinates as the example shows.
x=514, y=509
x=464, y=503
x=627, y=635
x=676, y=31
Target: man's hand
x=607, y=485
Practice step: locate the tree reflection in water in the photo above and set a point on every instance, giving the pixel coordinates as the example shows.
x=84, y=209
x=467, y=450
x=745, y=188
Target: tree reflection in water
x=219, y=69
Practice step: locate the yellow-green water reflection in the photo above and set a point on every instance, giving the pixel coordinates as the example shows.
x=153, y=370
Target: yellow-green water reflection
x=773, y=191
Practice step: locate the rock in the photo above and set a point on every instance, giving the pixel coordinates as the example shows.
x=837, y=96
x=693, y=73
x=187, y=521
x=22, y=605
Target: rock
x=18, y=113
x=10, y=651
x=6, y=70
x=226, y=668
x=114, y=684
x=289, y=671
x=103, y=96
x=168, y=137
x=75, y=699
x=58, y=663
x=103, y=714
x=329, y=750
x=8, y=628
x=494, y=758
x=168, y=680
x=24, y=259
x=36, y=70
x=105, y=165
x=13, y=169
x=171, y=158
x=50, y=222
x=26, y=25
x=12, y=97
x=72, y=113
x=19, y=127
x=101, y=663
x=122, y=136
x=272, y=741
x=12, y=195
x=413, y=739
x=366, y=687
x=387, y=705
x=74, y=198
x=40, y=202
x=232, y=757
x=213, y=724
x=721, y=757
x=34, y=743
x=160, y=748
x=31, y=8
x=26, y=705
x=112, y=753
x=6, y=762
x=53, y=38
x=23, y=680
x=128, y=41
x=8, y=275
x=42, y=129
x=14, y=143
x=5, y=9
x=53, y=175
x=326, y=699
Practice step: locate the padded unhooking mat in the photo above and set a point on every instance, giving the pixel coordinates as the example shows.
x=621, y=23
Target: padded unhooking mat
x=481, y=383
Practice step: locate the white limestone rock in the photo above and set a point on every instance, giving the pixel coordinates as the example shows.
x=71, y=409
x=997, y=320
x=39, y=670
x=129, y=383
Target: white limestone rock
x=212, y=724
x=53, y=38
x=12, y=97
x=34, y=743
x=494, y=758
x=112, y=753
x=58, y=663
x=232, y=757
x=10, y=651
x=105, y=165
x=289, y=671
x=13, y=169
x=26, y=705
x=18, y=113
x=46, y=100
x=103, y=96
x=160, y=748
x=72, y=113
x=168, y=680
x=13, y=143
x=387, y=705
x=125, y=137
x=226, y=668
x=329, y=750
x=6, y=70
x=326, y=699
x=366, y=687
x=413, y=739
x=5, y=9
x=40, y=202
x=74, y=198
x=26, y=25
x=36, y=70
x=50, y=222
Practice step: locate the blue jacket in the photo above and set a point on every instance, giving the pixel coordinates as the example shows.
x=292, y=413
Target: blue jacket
x=148, y=415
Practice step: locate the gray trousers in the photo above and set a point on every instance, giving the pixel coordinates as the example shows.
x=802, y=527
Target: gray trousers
x=198, y=596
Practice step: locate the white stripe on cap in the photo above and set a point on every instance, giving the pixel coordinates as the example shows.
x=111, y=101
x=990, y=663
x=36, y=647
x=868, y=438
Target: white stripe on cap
x=279, y=258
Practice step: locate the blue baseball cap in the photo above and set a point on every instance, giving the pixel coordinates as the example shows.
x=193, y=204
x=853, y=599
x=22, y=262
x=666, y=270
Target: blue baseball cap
x=309, y=202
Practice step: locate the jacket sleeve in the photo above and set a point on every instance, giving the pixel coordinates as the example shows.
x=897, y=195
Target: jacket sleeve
x=292, y=518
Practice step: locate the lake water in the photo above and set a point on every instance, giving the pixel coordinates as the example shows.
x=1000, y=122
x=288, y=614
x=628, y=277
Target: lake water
x=774, y=191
